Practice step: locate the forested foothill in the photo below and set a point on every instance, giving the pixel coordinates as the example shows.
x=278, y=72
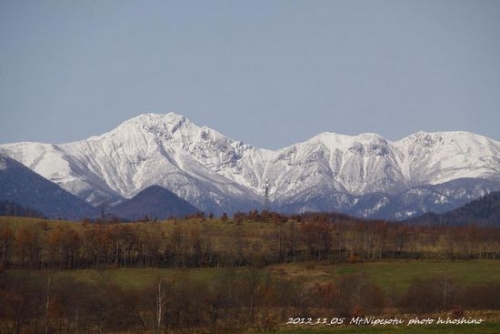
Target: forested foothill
x=248, y=272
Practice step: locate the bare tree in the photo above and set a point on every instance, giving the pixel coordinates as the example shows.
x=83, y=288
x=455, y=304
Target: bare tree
x=161, y=295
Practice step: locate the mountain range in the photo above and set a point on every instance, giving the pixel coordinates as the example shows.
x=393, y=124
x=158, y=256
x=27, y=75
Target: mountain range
x=365, y=175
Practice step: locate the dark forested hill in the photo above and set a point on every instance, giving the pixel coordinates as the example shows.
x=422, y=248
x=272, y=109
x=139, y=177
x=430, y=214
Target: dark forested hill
x=21, y=185
x=154, y=202
x=8, y=208
x=483, y=211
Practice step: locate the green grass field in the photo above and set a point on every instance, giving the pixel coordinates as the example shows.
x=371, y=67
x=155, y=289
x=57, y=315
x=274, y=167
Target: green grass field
x=487, y=327
x=396, y=274
x=385, y=274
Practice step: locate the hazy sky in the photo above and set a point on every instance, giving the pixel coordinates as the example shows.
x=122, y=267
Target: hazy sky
x=269, y=73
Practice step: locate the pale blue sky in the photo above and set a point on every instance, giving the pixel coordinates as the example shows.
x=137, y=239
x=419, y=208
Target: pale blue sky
x=269, y=73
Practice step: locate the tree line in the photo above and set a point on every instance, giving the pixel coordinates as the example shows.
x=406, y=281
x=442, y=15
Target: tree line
x=245, y=239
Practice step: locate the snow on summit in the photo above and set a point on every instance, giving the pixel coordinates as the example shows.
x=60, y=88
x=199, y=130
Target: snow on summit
x=216, y=173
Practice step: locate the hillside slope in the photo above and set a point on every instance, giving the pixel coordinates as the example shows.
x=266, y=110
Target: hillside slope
x=21, y=185
x=153, y=202
x=482, y=211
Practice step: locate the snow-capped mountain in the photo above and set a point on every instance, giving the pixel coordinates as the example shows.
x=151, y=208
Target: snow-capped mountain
x=151, y=149
x=364, y=175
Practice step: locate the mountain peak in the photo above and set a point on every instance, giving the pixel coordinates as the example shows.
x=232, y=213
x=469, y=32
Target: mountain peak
x=148, y=121
x=155, y=124
x=148, y=118
x=440, y=135
x=343, y=142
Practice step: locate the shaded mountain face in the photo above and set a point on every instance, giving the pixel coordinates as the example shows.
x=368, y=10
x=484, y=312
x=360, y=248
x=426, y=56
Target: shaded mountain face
x=482, y=211
x=364, y=175
x=153, y=202
x=21, y=185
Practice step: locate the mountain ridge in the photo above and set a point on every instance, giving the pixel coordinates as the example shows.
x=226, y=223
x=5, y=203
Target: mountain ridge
x=218, y=174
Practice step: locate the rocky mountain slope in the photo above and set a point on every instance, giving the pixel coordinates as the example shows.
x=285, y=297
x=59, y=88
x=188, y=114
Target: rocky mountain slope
x=364, y=175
